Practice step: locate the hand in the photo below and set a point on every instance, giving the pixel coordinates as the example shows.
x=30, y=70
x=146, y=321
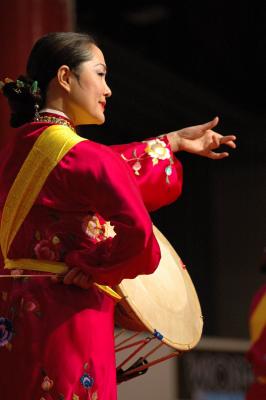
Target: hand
x=76, y=277
x=201, y=140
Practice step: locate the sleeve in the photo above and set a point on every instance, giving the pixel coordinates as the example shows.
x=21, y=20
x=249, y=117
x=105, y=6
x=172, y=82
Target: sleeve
x=158, y=172
x=257, y=355
x=257, y=326
x=104, y=185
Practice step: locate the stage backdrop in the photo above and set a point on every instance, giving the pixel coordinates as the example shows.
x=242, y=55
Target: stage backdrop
x=22, y=23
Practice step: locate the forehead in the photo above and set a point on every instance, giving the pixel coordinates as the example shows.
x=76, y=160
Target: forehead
x=97, y=55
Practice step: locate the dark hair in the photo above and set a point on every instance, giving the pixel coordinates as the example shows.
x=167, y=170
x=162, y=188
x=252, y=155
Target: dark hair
x=46, y=57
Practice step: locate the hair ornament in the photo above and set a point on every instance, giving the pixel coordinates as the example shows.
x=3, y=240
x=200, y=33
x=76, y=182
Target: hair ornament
x=34, y=87
x=3, y=83
x=19, y=85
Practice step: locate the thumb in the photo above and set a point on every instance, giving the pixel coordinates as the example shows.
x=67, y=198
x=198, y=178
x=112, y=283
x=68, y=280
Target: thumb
x=211, y=124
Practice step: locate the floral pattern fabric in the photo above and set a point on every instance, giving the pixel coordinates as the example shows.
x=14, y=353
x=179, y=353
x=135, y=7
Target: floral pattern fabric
x=154, y=165
x=59, y=338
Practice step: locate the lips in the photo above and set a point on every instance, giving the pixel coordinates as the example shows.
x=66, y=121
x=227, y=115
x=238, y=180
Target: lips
x=103, y=104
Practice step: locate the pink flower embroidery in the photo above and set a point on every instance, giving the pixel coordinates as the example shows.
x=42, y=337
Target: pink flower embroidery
x=157, y=150
x=30, y=306
x=136, y=167
x=47, y=384
x=48, y=249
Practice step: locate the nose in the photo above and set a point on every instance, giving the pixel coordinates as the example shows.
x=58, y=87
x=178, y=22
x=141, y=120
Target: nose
x=108, y=92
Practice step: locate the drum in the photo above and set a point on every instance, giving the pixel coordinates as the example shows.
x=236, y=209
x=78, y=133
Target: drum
x=164, y=304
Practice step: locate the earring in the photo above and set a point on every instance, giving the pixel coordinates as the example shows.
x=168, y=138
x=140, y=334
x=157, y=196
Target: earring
x=36, y=113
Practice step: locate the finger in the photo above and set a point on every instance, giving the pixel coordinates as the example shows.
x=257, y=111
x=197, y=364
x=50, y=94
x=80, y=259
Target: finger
x=228, y=140
x=231, y=144
x=57, y=278
x=69, y=277
x=217, y=156
x=211, y=124
x=86, y=282
x=215, y=142
x=83, y=281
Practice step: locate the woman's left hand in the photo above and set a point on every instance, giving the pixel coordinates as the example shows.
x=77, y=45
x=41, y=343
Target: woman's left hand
x=201, y=140
x=76, y=277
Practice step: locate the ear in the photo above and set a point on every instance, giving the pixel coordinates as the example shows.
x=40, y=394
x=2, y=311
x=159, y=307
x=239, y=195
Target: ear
x=64, y=77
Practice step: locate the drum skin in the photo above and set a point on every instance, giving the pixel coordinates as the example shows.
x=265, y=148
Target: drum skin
x=164, y=303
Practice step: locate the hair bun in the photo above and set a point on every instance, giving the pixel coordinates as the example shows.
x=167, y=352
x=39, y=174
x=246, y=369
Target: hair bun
x=23, y=95
x=23, y=88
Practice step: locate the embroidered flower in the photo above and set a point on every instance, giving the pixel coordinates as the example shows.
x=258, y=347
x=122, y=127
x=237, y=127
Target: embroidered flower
x=92, y=227
x=109, y=230
x=55, y=240
x=168, y=172
x=136, y=167
x=47, y=384
x=96, y=229
x=75, y=397
x=30, y=306
x=87, y=381
x=6, y=331
x=157, y=149
x=48, y=249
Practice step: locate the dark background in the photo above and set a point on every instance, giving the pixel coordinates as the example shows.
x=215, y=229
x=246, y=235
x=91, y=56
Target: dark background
x=175, y=64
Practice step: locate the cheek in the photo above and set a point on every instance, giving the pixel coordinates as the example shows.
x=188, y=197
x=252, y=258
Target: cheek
x=83, y=97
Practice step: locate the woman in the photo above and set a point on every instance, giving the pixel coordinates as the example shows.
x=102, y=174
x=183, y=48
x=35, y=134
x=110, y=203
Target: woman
x=90, y=215
x=257, y=328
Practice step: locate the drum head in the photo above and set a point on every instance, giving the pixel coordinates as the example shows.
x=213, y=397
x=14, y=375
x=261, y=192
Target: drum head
x=165, y=301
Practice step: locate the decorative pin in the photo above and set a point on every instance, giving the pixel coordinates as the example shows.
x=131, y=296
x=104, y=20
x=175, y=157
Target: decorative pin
x=36, y=114
x=157, y=334
x=34, y=87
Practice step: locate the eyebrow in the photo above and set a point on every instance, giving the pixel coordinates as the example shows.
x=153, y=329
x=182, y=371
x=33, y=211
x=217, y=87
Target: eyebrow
x=103, y=65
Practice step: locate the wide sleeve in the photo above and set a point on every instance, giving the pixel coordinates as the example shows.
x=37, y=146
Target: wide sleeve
x=257, y=326
x=158, y=172
x=103, y=184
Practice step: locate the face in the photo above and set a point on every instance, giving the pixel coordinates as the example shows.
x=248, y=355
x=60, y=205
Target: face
x=88, y=91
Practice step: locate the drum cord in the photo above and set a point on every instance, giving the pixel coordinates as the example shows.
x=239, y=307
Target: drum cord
x=140, y=366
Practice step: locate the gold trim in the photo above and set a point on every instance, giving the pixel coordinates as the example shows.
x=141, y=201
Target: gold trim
x=56, y=120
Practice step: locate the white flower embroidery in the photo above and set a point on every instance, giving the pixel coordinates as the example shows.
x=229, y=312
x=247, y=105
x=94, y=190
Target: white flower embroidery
x=109, y=230
x=157, y=149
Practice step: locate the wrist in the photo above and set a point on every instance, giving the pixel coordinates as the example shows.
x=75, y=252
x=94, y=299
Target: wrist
x=175, y=141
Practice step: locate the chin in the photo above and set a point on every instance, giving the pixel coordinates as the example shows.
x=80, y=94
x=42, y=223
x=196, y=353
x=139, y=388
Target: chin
x=99, y=121
x=90, y=121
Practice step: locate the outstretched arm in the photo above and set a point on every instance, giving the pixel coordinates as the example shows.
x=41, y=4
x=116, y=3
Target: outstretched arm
x=201, y=140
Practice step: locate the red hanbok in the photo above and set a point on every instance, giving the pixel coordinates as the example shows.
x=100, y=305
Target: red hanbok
x=257, y=352
x=56, y=340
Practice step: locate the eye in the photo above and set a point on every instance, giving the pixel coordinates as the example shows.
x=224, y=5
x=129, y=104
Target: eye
x=102, y=74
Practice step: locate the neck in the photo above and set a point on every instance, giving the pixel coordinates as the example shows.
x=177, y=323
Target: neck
x=54, y=111
x=57, y=103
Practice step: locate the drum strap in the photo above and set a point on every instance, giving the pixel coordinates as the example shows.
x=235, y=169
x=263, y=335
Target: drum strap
x=48, y=150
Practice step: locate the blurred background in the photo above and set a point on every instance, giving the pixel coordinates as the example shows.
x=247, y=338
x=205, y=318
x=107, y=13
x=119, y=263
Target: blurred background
x=173, y=64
